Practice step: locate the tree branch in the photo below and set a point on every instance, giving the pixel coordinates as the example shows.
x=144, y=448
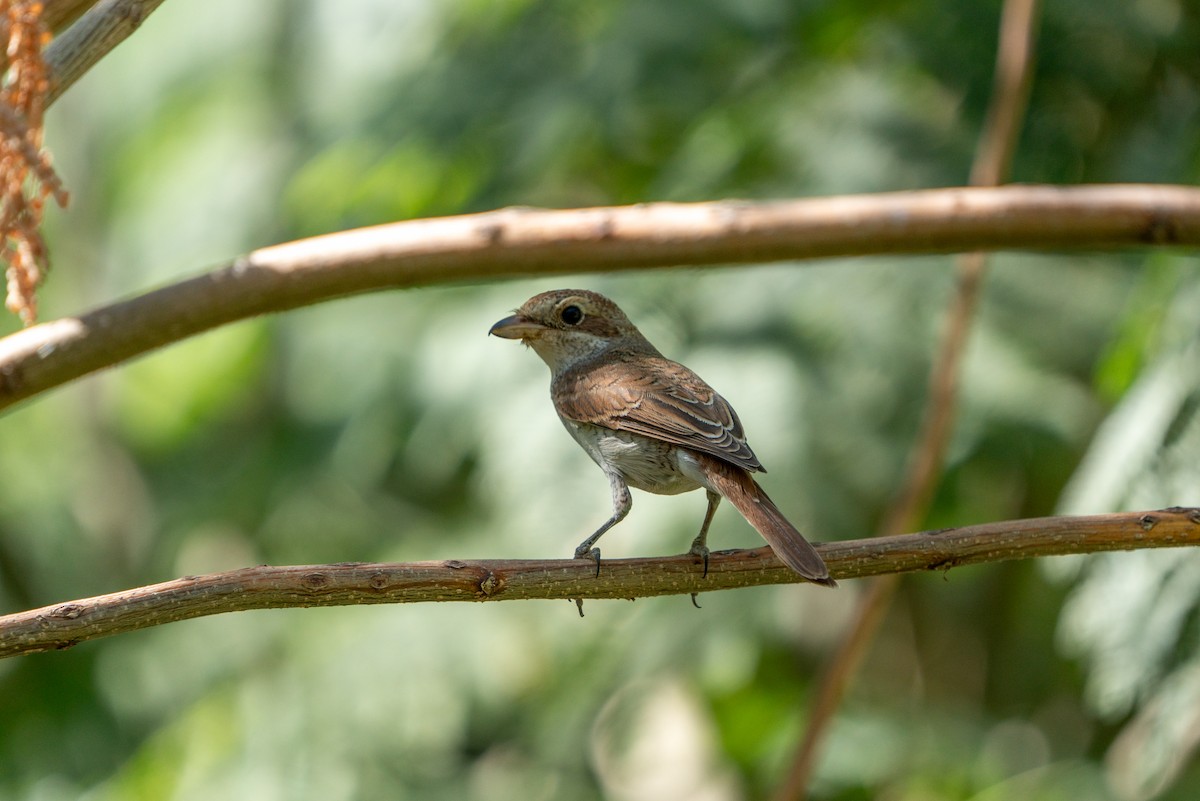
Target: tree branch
x=92, y=36
x=67, y=624
x=523, y=242
x=58, y=14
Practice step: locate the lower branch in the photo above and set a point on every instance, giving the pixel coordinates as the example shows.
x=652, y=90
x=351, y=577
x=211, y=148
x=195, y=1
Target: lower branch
x=66, y=624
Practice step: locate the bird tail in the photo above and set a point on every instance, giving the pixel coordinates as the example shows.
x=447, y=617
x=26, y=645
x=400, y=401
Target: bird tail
x=785, y=540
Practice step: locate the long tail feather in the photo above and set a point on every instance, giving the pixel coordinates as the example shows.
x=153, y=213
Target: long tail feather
x=740, y=488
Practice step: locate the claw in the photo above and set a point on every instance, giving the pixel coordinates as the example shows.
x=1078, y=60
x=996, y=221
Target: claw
x=702, y=552
x=695, y=603
x=579, y=605
x=593, y=553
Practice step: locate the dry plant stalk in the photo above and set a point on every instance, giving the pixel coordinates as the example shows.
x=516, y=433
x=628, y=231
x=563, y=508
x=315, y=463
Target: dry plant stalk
x=26, y=175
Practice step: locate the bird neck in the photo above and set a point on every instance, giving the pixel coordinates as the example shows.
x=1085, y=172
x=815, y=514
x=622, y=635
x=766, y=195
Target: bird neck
x=562, y=354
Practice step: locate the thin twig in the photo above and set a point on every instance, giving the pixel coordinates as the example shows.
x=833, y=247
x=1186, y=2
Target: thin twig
x=1010, y=93
x=993, y=162
x=66, y=624
x=101, y=28
x=58, y=14
x=522, y=242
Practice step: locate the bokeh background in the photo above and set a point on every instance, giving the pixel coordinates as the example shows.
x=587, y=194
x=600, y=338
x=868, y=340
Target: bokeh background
x=389, y=427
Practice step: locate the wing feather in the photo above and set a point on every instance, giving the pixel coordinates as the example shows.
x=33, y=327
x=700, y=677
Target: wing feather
x=657, y=398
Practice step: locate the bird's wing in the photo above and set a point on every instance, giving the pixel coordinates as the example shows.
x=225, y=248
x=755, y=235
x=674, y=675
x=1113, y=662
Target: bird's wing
x=657, y=398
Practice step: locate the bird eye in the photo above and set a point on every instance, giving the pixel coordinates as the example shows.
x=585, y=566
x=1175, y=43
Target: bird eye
x=571, y=315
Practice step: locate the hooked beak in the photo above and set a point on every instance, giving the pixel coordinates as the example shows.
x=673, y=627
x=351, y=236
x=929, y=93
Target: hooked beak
x=516, y=327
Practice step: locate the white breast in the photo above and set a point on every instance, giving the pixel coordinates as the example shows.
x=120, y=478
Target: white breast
x=646, y=464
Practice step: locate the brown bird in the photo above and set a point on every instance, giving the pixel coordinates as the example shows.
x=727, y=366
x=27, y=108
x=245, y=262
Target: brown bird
x=648, y=422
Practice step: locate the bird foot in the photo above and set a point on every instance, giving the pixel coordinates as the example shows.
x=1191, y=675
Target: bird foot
x=701, y=550
x=589, y=553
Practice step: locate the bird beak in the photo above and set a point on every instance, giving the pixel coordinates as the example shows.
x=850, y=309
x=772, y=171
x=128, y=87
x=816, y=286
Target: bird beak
x=516, y=327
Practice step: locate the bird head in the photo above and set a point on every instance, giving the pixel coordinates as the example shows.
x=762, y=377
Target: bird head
x=565, y=326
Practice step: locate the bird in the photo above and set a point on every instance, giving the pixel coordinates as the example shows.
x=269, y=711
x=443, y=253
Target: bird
x=648, y=422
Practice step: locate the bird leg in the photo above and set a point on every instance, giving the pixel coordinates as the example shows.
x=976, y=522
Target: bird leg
x=622, y=503
x=700, y=544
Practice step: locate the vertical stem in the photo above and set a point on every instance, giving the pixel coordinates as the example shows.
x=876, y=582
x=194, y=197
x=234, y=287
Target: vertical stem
x=992, y=165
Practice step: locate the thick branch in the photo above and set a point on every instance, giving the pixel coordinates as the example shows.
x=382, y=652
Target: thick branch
x=522, y=242
x=66, y=624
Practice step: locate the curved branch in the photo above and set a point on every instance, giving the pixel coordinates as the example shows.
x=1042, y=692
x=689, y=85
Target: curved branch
x=523, y=242
x=66, y=624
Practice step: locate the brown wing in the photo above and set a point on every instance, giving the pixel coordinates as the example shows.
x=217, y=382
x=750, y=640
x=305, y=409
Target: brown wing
x=658, y=398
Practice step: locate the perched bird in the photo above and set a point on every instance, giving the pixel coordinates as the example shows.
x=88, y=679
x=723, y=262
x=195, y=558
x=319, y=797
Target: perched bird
x=648, y=422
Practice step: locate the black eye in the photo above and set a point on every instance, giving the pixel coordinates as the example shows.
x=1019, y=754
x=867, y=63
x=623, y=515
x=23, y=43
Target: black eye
x=571, y=315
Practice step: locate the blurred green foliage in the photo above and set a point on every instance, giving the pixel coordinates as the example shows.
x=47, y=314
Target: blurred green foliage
x=389, y=427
